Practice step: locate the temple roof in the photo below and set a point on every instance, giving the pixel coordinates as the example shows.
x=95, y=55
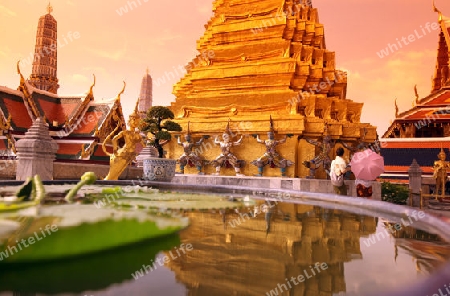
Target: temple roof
x=435, y=107
x=70, y=118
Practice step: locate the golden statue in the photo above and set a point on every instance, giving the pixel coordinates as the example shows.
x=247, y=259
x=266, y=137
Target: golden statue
x=123, y=156
x=440, y=172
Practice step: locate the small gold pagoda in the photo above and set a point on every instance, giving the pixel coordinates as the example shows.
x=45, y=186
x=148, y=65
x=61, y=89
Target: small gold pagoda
x=266, y=58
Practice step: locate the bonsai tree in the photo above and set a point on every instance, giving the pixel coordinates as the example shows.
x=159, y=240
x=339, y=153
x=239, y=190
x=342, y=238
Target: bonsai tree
x=158, y=123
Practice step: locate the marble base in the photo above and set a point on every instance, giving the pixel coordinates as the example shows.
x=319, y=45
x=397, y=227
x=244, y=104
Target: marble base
x=309, y=185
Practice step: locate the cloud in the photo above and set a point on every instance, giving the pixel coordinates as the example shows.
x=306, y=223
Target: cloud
x=378, y=82
x=166, y=36
x=203, y=7
x=111, y=55
x=6, y=12
x=79, y=78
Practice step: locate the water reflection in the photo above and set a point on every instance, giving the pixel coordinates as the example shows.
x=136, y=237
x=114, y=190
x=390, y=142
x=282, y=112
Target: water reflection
x=251, y=253
x=428, y=250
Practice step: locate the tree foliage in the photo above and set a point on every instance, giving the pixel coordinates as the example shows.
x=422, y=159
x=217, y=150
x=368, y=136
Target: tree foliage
x=394, y=193
x=158, y=123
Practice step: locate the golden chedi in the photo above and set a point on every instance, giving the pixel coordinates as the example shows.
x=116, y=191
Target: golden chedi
x=259, y=59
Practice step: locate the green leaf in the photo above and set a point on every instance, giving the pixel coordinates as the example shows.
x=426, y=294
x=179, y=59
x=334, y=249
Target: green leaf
x=25, y=192
x=85, y=229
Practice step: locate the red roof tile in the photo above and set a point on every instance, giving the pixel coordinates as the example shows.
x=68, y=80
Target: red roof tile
x=70, y=149
x=430, y=115
x=89, y=122
x=442, y=99
x=404, y=169
x=20, y=119
x=416, y=144
x=99, y=151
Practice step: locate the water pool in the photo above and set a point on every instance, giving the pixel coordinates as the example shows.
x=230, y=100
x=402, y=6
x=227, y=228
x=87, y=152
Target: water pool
x=300, y=244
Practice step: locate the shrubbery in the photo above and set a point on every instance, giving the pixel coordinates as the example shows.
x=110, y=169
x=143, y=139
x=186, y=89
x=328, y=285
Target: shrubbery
x=394, y=193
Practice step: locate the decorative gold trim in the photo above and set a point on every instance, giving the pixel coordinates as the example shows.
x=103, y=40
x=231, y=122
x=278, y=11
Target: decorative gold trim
x=87, y=152
x=27, y=96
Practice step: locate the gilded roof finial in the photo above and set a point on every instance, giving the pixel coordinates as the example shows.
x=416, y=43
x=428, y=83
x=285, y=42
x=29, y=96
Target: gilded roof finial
x=49, y=8
x=92, y=86
x=122, y=91
x=438, y=11
x=20, y=73
x=417, y=94
x=148, y=71
x=396, y=108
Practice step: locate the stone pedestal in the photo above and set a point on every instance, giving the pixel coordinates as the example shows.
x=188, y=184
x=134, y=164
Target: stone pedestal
x=415, y=183
x=36, y=152
x=146, y=152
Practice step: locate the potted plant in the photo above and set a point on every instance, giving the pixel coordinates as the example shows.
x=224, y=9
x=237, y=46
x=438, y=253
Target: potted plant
x=158, y=125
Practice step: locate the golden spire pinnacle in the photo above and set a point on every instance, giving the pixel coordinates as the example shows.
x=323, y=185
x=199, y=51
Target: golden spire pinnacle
x=148, y=71
x=49, y=8
x=438, y=11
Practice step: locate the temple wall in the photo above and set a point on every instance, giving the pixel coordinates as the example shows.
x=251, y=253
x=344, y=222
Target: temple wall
x=66, y=171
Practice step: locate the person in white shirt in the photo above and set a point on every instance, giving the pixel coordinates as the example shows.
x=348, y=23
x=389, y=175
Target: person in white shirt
x=339, y=165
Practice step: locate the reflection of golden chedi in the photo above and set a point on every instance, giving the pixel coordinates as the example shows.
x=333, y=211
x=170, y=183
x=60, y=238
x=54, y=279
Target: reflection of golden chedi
x=245, y=260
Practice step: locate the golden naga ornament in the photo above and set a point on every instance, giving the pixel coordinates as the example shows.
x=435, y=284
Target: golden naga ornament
x=124, y=155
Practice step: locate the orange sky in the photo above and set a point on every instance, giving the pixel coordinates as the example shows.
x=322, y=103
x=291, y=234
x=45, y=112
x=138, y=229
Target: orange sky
x=161, y=35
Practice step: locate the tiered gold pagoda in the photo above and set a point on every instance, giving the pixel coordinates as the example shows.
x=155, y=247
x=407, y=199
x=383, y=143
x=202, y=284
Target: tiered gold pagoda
x=266, y=58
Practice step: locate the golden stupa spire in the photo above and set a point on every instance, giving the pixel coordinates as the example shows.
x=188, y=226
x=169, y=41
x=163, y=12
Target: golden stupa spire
x=148, y=71
x=49, y=8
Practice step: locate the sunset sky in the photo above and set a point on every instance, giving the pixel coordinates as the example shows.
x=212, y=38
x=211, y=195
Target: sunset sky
x=161, y=35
